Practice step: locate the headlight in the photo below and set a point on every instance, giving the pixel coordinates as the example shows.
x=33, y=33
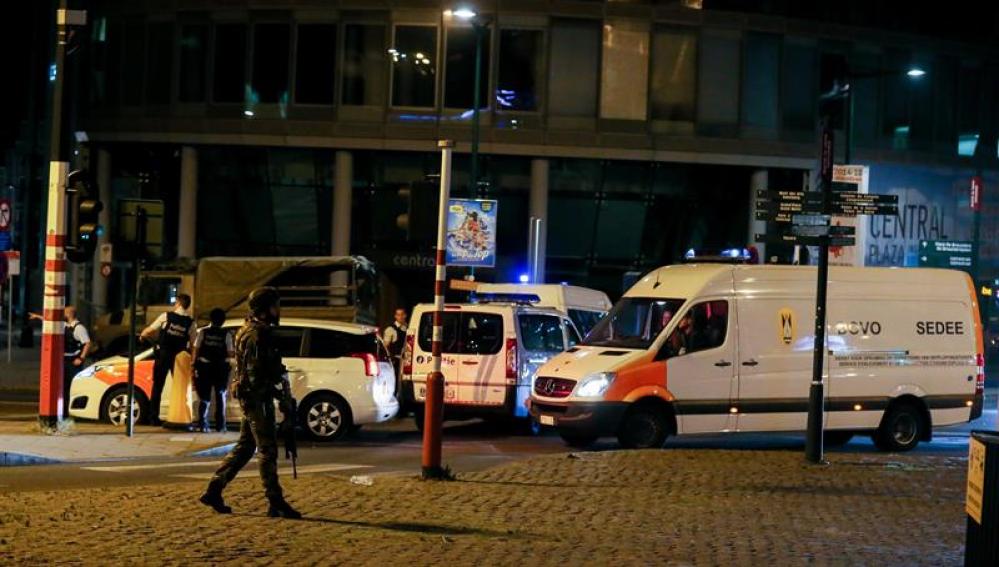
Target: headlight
x=594, y=385
x=90, y=371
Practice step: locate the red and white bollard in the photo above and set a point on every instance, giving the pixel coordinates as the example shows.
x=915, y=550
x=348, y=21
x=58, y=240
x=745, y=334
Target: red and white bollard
x=433, y=402
x=51, y=406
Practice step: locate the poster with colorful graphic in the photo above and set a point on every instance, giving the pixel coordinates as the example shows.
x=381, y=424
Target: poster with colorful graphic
x=471, y=233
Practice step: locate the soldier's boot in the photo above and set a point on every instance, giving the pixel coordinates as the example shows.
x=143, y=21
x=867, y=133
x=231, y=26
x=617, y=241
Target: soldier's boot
x=213, y=499
x=281, y=509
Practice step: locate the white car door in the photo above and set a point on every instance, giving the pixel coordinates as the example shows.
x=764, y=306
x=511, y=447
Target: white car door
x=700, y=367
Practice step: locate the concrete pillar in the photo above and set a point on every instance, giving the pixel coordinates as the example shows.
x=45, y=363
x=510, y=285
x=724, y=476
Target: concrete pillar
x=99, y=284
x=538, y=208
x=759, y=180
x=187, y=221
x=343, y=180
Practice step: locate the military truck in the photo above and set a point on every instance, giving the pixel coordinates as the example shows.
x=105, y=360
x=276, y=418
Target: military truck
x=335, y=288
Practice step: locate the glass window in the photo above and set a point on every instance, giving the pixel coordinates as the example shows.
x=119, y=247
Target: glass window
x=896, y=109
x=541, y=333
x=464, y=333
x=702, y=327
x=414, y=66
x=315, y=63
x=799, y=86
x=193, y=62
x=133, y=63
x=326, y=343
x=585, y=320
x=865, y=99
x=229, y=62
x=944, y=80
x=364, y=77
x=460, y=77
x=718, y=79
x=574, y=68
x=760, y=82
x=288, y=341
x=674, y=75
x=270, y=62
x=633, y=322
x=625, y=73
x=519, y=82
x=968, y=109
x=619, y=229
x=159, y=65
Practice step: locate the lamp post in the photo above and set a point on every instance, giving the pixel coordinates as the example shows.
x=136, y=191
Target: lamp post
x=480, y=24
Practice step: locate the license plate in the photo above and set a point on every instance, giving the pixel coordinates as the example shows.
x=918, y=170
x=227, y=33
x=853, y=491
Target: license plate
x=547, y=420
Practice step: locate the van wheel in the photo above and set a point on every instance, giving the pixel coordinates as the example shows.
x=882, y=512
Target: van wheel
x=836, y=438
x=643, y=428
x=901, y=428
x=576, y=440
x=325, y=417
x=418, y=418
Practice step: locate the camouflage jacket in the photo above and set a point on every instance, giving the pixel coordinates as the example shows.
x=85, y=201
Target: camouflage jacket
x=259, y=370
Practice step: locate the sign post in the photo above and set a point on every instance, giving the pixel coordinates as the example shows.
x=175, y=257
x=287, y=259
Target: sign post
x=13, y=262
x=140, y=246
x=804, y=218
x=433, y=402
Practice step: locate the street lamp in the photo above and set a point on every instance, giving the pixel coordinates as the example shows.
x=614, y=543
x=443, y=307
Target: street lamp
x=479, y=23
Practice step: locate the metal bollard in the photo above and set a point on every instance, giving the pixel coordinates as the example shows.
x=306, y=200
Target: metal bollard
x=981, y=544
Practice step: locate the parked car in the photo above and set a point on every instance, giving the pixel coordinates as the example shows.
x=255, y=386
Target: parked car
x=339, y=372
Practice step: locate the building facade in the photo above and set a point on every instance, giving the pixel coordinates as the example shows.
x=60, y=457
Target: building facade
x=635, y=130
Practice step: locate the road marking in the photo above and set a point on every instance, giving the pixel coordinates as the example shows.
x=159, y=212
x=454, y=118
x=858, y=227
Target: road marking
x=127, y=468
x=284, y=470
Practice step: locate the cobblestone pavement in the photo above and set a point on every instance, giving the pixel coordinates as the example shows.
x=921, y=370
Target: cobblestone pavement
x=674, y=507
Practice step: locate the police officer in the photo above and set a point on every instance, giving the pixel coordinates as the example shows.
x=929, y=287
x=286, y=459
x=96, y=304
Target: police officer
x=212, y=348
x=76, y=348
x=174, y=330
x=259, y=381
x=394, y=338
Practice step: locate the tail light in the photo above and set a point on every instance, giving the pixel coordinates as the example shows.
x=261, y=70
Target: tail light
x=980, y=377
x=511, y=359
x=407, y=356
x=370, y=362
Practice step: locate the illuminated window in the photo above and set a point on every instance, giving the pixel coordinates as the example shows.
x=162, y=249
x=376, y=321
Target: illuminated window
x=574, y=68
x=414, y=66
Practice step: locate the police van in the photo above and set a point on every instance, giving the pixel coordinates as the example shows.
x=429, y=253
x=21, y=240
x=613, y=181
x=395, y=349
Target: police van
x=490, y=353
x=708, y=348
x=583, y=305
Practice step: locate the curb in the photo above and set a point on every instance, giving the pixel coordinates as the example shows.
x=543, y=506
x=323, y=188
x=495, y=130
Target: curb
x=217, y=451
x=22, y=459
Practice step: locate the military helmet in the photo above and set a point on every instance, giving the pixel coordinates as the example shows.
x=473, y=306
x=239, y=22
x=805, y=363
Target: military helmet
x=263, y=298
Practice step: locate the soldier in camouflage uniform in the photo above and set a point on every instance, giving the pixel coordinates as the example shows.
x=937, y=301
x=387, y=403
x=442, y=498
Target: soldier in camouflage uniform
x=259, y=373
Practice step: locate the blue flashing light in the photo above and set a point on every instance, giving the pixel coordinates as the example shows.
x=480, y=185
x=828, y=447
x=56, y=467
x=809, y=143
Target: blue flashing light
x=52, y=72
x=524, y=278
x=690, y=253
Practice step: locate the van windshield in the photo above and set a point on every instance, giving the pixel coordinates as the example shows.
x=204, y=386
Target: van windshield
x=633, y=322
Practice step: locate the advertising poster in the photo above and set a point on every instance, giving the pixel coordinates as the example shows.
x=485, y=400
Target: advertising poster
x=471, y=233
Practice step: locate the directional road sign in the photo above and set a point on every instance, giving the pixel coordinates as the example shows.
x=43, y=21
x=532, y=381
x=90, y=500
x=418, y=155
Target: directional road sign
x=956, y=254
x=807, y=240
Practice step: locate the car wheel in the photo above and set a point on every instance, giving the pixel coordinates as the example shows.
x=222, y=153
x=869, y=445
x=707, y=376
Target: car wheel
x=325, y=417
x=643, y=428
x=116, y=400
x=577, y=441
x=836, y=438
x=901, y=428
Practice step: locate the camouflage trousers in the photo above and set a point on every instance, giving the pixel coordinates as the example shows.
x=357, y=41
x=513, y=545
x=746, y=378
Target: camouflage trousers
x=257, y=433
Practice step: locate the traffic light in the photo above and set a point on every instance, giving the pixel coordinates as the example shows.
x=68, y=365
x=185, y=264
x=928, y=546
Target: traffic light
x=83, y=219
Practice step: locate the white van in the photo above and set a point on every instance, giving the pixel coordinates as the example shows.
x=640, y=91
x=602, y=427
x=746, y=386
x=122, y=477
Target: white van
x=490, y=353
x=584, y=306
x=719, y=348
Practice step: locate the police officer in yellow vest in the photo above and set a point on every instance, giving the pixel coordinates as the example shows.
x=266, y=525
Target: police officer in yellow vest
x=174, y=330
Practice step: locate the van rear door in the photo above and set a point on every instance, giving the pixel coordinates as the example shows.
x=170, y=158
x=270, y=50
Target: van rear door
x=481, y=360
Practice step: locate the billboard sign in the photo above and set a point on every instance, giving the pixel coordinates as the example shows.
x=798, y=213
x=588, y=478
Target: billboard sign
x=471, y=233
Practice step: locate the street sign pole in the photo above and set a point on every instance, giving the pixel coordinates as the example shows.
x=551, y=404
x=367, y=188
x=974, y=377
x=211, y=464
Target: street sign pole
x=816, y=393
x=433, y=401
x=140, y=245
x=50, y=387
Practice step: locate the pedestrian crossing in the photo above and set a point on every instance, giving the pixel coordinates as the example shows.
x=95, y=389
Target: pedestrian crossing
x=250, y=469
